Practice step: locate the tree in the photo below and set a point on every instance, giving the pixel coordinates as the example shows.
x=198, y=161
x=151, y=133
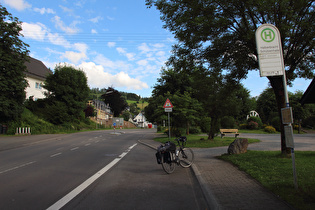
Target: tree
x=223, y=32
x=267, y=106
x=115, y=100
x=67, y=95
x=186, y=111
x=13, y=55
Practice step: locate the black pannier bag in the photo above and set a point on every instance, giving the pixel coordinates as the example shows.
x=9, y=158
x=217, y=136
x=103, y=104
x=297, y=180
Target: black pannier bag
x=158, y=157
x=165, y=151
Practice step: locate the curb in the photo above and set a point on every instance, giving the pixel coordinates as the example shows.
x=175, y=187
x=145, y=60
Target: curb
x=209, y=196
x=207, y=193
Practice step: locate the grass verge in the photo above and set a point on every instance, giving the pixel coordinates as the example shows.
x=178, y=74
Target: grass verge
x=202, y=141
x=276, y=174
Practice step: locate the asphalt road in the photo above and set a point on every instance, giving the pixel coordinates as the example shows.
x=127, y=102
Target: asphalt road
x=91, y=170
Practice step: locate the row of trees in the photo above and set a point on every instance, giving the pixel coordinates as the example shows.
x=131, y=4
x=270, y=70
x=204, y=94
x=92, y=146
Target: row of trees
x=216, y=39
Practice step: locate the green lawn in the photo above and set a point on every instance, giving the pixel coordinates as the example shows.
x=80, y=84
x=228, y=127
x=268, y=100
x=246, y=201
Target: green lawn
x=275, y=173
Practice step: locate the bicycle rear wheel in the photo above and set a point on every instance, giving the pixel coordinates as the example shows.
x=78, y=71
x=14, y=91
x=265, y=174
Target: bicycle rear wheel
x=168, y=164
x=186, y=157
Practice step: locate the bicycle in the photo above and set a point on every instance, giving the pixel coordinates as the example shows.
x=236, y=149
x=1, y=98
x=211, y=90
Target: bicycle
x=168, y=155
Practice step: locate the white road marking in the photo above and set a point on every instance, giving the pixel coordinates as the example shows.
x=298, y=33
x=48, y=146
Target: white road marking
x=16, y=167
x=67, y=198
x=75, y=148
x=87, y=144
x=54, y=155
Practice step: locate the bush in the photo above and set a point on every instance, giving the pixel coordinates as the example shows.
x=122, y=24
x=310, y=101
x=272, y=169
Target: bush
x=275, y=122
x=243, y=126
x=257, y=120
x=175, y=132
x=205, y=124
x=194, y=130
x=252, y=125
x=228, y=122
x=309, y=122
x=270, y=129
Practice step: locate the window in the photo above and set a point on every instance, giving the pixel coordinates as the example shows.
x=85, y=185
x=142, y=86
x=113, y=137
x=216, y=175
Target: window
x=38, y=85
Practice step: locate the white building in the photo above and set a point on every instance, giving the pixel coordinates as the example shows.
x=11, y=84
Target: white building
x=36, y=75
x=140, y=121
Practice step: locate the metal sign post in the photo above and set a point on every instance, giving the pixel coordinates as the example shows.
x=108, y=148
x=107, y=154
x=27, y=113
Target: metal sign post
x=168, y=106
x=270, y=59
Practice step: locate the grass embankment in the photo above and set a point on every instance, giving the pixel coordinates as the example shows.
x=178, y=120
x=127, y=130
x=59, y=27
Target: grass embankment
x=269, y=168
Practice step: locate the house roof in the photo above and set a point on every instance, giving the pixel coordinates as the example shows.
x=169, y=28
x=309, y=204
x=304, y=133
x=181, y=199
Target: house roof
x=36, y=68
x=309, y=95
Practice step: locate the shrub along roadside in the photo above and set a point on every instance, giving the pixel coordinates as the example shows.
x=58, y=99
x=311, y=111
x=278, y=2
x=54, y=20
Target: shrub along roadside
x=275, y=173
x=40, y=126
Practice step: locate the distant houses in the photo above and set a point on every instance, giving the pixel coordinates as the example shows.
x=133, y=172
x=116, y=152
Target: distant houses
x=103, y=111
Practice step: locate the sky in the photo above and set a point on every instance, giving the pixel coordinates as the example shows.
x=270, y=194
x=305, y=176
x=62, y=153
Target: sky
x=120, y=43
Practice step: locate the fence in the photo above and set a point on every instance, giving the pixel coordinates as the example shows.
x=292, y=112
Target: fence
x=23, y=131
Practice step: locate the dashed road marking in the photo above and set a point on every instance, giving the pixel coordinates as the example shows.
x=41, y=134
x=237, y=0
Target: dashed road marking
x=67, y=198
x=54, y=155
x=17, y=167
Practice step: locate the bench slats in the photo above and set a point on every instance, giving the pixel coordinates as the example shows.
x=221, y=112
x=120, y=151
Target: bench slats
x=224, y=131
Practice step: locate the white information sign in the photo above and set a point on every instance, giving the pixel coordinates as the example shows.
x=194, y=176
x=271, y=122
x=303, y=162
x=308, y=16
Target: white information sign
x=269, y=51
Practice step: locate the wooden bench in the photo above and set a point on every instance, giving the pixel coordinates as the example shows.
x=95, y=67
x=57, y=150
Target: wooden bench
x=225, y=131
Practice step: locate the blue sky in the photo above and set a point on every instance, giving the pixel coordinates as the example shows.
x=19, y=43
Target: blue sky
x=118, y=43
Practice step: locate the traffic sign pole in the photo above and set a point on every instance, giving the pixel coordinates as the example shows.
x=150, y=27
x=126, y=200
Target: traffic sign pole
x=168, y=106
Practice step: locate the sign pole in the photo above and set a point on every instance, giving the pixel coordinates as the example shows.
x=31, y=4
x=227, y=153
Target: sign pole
x=287, y=104
x=270, y=59
x=169, y=126
x=168, y=108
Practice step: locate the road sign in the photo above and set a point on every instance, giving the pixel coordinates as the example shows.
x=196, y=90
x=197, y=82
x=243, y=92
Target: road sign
x=168, y=109
x=168, y=104
x=269, y=51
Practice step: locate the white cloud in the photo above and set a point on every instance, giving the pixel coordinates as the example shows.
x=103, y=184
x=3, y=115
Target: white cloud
x=99, y=77
x=36, y=31
x=144, y=48
x=74, y=57
x=82, y=47
x=66, y=9
x=102, y=60
x=142, y=62
x=18, y=4
x=130, y=56
x=59, y=24
x=93, y=31
x=121, y=50
x=110, y=18
x=96, y=19
x=111, y=44
x=44, y=10
x=56, y=39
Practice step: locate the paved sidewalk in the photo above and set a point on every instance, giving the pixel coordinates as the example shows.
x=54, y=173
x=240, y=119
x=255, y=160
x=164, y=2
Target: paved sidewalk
x=226, y=187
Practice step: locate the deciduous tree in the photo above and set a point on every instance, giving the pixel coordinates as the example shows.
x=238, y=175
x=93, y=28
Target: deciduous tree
x=13, y=55
x=223, y=32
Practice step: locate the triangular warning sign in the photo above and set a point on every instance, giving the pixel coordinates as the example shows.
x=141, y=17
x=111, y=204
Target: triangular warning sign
x=168, y=104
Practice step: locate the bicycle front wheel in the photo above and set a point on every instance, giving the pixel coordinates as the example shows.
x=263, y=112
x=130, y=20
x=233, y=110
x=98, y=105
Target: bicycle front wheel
x=186, y=157
x=168, y=164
